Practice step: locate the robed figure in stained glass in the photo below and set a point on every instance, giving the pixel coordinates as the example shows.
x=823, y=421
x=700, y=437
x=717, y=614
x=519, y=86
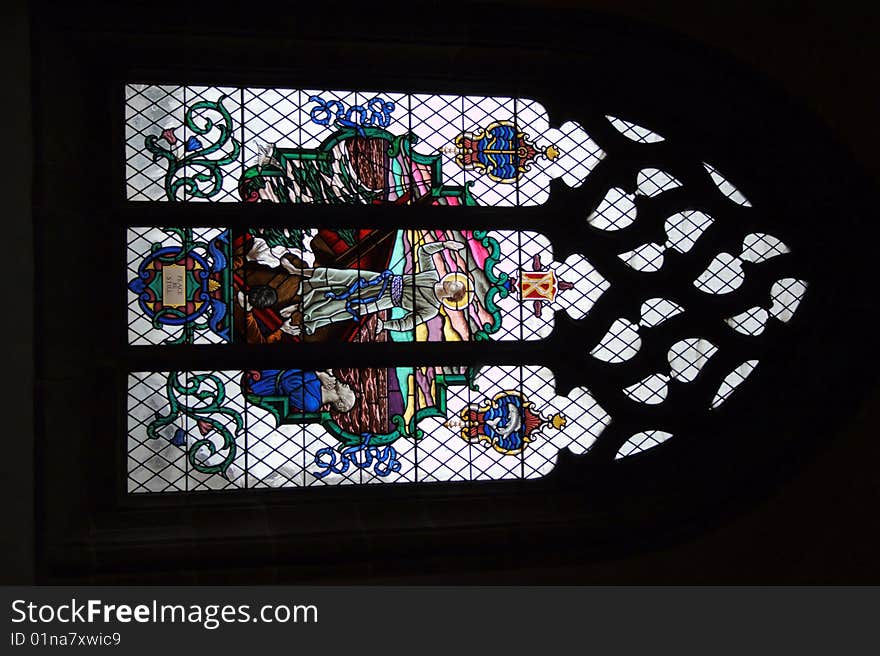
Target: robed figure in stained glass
x=320, y=285
x=332, y=295
x=306, y=391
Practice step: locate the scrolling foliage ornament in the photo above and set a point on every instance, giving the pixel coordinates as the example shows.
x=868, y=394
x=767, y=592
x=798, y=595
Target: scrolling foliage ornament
x=191, y=165
x=203, y=399
x=683, y=236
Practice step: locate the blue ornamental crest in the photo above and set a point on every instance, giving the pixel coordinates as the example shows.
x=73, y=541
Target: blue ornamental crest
x=507, y=423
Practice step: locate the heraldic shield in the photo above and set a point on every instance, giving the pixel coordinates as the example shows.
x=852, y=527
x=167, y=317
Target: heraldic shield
x=507, y=423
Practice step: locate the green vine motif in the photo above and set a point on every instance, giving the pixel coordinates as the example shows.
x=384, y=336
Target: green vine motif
x=209, y=403
x=183, y=234
x=500, y=285
x=400, y=425
x=208, y=171
x=470, y=378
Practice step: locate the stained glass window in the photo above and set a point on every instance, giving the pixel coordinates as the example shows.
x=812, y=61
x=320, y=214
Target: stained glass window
x=614, y=288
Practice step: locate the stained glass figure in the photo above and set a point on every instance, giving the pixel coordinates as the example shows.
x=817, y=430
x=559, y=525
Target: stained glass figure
x=347, y=285
x=316, y=285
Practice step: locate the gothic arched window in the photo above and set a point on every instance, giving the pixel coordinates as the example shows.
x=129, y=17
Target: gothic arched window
x=562, y=287
x=288, y=288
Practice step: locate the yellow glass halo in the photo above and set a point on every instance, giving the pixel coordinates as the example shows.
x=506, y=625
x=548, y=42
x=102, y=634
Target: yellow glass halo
x=468, y=285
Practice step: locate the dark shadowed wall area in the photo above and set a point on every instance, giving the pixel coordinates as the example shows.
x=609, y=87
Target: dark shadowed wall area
x=819, y=526
x=17, y=546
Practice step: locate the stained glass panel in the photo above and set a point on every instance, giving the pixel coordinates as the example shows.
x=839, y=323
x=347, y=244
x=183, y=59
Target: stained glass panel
x=150, y=110
x=293, y=428
x=190, y=143
x=279, y=286
x=672, y=253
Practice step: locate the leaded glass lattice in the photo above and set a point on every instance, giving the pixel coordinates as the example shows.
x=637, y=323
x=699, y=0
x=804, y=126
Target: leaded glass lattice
x=345, y=147
x=294, y=428
x=651, y=225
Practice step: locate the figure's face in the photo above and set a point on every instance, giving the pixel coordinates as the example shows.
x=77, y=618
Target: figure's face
x=262, y=296
x=453, y=288
x=345, y=398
